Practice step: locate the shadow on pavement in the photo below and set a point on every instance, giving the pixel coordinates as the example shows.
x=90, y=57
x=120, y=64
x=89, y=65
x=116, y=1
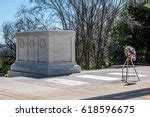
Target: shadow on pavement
x=123, y=95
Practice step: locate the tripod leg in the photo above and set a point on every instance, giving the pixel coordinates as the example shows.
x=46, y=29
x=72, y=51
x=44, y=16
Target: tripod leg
x=127, y=71
x=123, y=71
x=135, y=70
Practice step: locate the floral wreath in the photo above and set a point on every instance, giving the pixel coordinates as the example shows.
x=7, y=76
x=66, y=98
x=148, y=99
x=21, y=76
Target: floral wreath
x=130, y=53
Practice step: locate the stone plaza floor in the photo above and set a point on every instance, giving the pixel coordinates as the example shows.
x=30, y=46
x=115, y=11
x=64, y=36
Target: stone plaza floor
x=104, y=84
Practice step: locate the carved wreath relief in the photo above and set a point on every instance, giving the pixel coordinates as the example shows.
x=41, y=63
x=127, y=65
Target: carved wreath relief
x=31, y=43
x=42, y=43
x=22, y=44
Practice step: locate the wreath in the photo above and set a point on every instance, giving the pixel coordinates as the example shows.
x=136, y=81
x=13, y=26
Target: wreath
x=130, y=53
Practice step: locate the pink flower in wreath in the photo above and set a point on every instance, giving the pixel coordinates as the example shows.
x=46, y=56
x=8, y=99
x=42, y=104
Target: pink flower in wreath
x=130, y=53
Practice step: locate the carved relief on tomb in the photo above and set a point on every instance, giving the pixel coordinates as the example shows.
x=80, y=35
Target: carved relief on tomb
x=31, y=43
x=32, y=49
x=22, y=50
x=22, y=43
x=42, y=43
x=43, y=50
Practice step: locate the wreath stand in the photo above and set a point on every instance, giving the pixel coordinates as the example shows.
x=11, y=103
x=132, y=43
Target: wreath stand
x=126, y=65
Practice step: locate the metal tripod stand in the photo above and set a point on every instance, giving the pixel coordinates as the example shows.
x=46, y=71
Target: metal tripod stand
x=126, y=65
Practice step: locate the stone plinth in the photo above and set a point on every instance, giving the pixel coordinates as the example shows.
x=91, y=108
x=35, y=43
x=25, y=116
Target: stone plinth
x=45, y=53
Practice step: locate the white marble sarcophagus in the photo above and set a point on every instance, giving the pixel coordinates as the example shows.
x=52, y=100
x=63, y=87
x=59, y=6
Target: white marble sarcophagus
x=44, y=53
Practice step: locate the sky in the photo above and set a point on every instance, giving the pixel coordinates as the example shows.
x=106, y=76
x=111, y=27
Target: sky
x=8, y=8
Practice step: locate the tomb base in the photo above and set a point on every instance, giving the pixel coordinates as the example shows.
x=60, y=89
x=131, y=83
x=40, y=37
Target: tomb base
x=43, y=70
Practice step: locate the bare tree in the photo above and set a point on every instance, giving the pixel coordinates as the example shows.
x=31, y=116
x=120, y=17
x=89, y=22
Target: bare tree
x=27, y=19
x=137, y=1
x=8, y=34
x=91, y=19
